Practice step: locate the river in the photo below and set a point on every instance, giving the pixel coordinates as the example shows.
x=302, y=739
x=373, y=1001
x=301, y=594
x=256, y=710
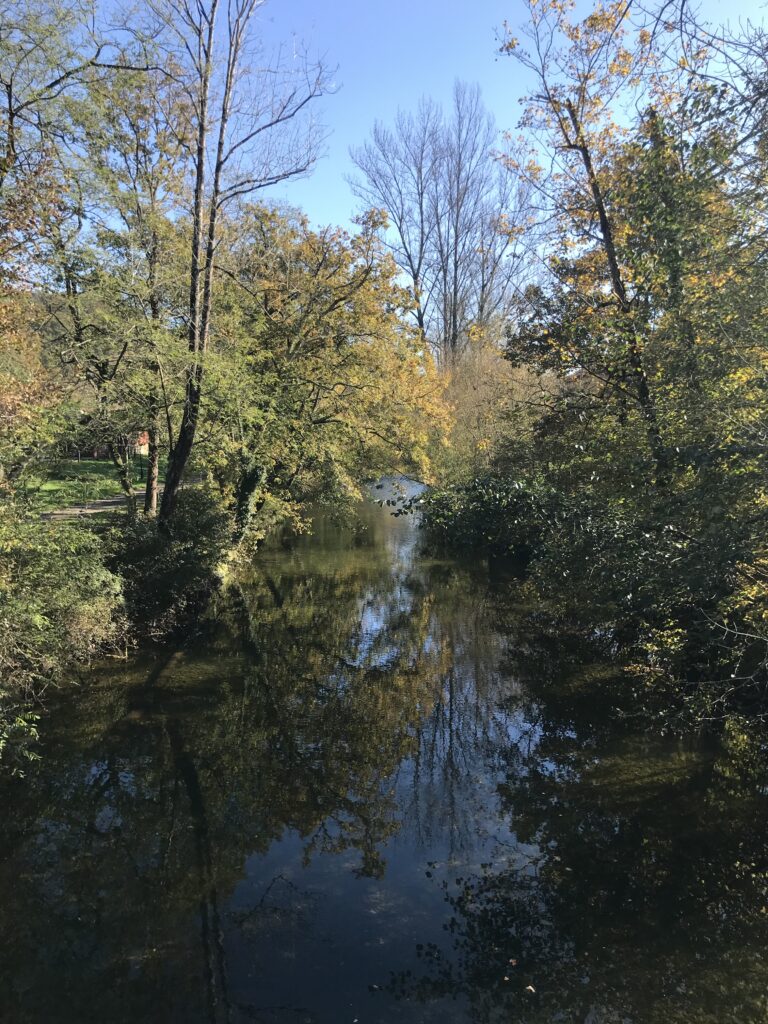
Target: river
x=374, y=790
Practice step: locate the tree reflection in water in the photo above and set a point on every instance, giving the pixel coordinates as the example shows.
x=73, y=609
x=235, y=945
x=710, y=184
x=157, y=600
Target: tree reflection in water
x=371, y=792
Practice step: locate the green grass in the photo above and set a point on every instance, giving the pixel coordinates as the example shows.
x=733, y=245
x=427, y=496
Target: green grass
x=78, y=483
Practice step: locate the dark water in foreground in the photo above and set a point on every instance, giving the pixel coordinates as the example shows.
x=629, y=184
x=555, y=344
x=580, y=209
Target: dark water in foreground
x=373, y=795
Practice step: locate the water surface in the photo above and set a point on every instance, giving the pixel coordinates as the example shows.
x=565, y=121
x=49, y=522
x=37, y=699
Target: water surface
x=375, y=791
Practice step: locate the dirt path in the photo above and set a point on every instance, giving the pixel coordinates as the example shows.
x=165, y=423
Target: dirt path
x=92, y=508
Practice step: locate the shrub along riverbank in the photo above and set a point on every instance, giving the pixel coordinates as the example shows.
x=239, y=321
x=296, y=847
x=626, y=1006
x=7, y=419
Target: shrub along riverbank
x=675, y=587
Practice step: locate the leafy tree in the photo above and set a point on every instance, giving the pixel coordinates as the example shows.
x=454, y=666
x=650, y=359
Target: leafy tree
x=246, y=130
x=631, y=475
x=320, y=385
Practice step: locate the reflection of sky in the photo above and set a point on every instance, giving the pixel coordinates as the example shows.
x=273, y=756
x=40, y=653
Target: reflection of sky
x=376, y=643
x=446, y=794
x=445, y=801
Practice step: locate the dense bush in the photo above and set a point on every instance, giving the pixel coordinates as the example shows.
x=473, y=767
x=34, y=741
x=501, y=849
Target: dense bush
x=168, y=573
x=498, y=515
x=671, y=577
x=59, y=605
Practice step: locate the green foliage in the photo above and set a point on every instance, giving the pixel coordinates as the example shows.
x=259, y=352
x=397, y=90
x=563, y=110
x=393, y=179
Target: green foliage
x=169, y=572
x=316, y=384
x=493, y=513
x=59, y=606
x=663, y=574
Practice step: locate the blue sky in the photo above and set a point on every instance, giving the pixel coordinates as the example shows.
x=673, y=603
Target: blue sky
x=388, y=55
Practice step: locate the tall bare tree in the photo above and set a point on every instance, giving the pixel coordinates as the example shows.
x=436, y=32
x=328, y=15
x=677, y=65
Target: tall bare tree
x=399, y=167
x=454, y=212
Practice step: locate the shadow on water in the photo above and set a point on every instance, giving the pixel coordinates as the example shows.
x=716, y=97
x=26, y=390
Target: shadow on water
x=375, y=793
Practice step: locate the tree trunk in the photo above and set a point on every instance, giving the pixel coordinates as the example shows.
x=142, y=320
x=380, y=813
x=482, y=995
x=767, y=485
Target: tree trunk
x=178, y=458
x=183, y=448
x=118, y=454
x=153, y=465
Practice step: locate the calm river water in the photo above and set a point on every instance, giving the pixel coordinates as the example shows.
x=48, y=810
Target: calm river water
x=377, y=792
